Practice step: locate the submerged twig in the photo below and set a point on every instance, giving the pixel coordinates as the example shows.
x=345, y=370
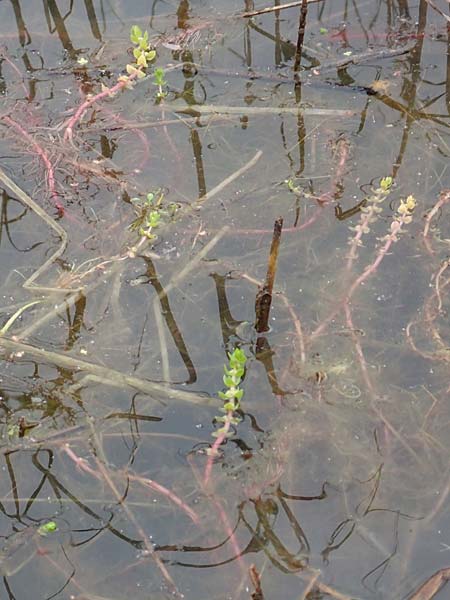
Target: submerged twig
x=25, y=198
x=437, y=9
x=110, y=376
x=256, y=582
x=431, y=587
x=202, y=109
x=231, y=178
x=301, y=34
x=270, y=9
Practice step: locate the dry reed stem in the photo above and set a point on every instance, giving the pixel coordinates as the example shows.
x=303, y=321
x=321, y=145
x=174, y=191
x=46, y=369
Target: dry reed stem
x=110, y=376
x=216, y=190
x=271, y=9
x=23, y=197
x=322, y=587
x=438, y=10
x=206, y=109
x=431, y=587
x=255, y=578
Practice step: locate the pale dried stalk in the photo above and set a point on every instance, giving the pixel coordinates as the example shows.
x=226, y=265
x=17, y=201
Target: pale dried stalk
x=271, y=9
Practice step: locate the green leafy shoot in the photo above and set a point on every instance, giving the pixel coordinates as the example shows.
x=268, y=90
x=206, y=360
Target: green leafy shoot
x=233, y=373
x=150, y=211
x=292, y=187
x=160, y=82
x=47, y=528
x=142, y=52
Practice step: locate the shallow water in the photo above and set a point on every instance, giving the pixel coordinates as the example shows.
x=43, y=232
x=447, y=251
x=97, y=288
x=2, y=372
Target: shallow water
x=335, y=484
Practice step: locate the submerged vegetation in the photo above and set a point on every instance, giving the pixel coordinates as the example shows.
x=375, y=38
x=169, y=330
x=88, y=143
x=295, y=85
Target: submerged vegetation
x=282, y=208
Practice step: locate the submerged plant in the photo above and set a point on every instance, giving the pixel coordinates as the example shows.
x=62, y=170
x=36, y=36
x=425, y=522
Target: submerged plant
x=369, y=214
x=232, y=397
x=143, y=54
x=150, y=211
x=160, y=82
x=47, y=528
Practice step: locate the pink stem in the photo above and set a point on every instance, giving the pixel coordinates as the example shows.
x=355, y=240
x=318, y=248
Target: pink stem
x=444, y=197
x=45, y=159
x=88, y=103
x=215, y=447
x=368, y=271
x=229, y=532
x=81, y=463
x=157, y=487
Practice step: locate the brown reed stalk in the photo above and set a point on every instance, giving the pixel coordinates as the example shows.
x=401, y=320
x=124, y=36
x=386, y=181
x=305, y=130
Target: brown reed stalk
x=264, y=296
x=301, y=34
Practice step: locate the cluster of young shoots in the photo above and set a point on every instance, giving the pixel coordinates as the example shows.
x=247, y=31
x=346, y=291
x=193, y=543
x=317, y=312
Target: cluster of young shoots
x=143, y=55
x=369, y=214
x=232, y=397
x=142, y=52
x=150, y=210
x=403, y=217
x=160, y=82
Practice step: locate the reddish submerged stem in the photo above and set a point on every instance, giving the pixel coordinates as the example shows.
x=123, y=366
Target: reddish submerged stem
x=45, y=159
x=70, y=124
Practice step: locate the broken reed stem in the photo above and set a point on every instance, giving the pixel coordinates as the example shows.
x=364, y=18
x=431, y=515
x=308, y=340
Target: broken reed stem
x=301, y=34
x=256, y=582
x=111, y=376
x=60, y=231
x=431, y=587
x=438, y=10
x=263, y=11
x=211, y=109
x=322, y=587
x=229, y=179
x=45, y=159
x=264, y=295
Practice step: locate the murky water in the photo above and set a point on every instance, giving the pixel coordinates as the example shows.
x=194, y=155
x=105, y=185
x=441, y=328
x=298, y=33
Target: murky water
x=114, y=332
